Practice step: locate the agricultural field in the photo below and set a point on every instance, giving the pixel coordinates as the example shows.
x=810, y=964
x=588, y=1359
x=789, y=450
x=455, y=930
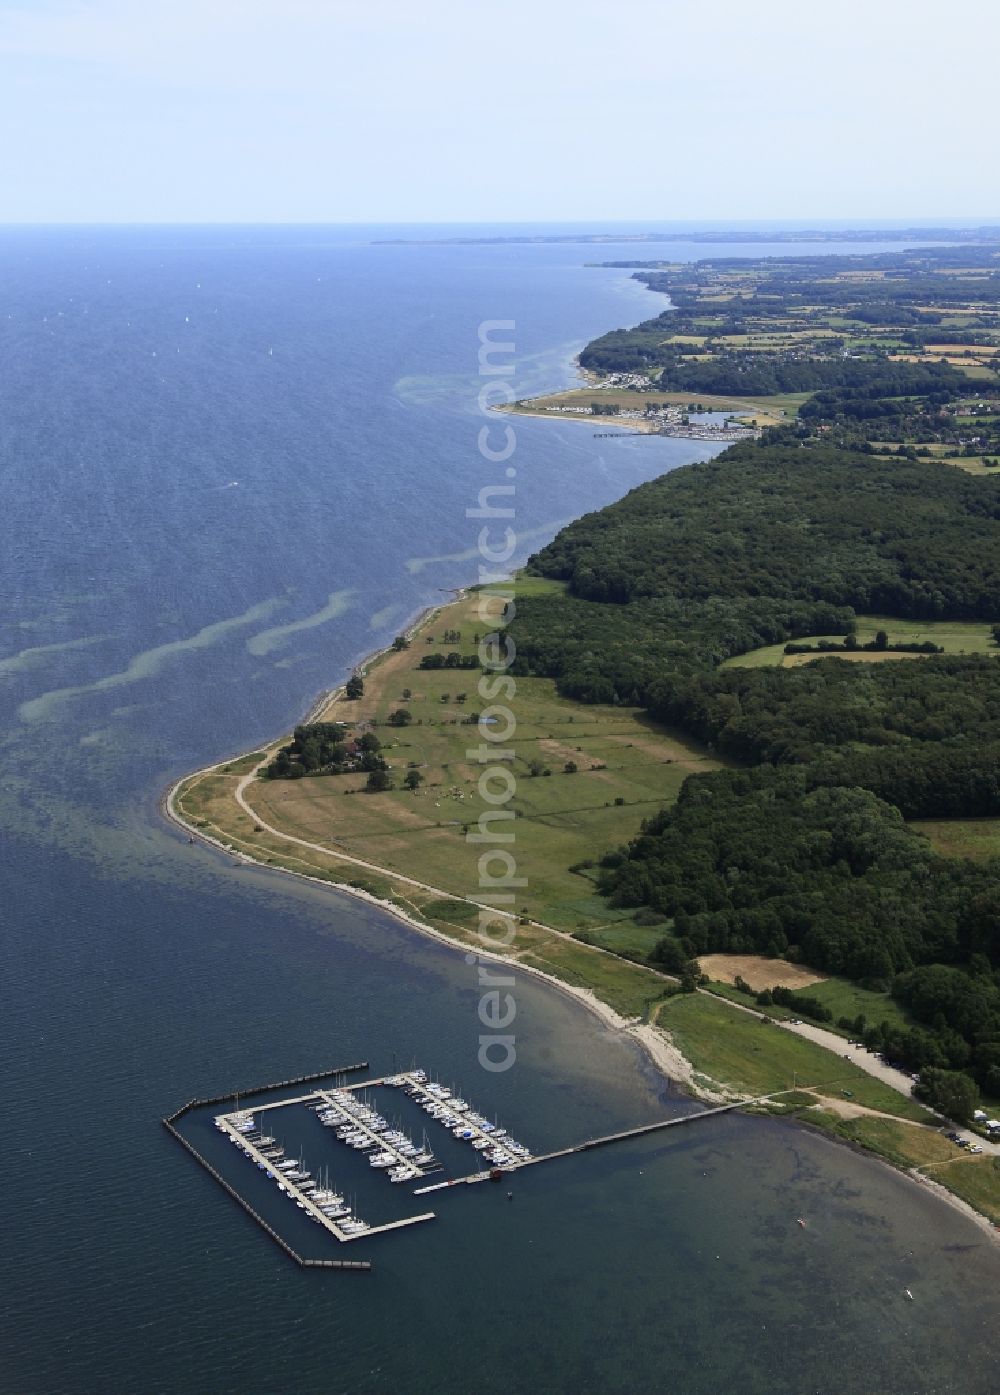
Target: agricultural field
x=946, y=455
x=954, y=636
x=757, y=971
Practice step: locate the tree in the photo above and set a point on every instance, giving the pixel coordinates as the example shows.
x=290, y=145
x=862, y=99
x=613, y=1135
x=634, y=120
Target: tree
x=668, y=954
x=378, y=781
x=881, y=640
x=690, y=976
x=407, y=694
x=354, y=687
x=402, y=717
x=369, y=742
x=950, y=1092
x=400, y=642
x=571, y=767
x=413, y=779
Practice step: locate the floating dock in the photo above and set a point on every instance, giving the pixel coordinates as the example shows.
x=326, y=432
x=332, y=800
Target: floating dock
x=170, y=1122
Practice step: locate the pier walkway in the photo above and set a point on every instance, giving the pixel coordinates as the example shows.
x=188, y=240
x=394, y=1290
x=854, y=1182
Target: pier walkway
x=378, y=1140
x=621, y=1137
x=314, y=1095
x=308, y=1205
x=419, y=1091
x=254, y=1152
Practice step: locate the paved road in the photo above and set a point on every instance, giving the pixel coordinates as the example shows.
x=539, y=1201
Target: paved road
x=868, y=1062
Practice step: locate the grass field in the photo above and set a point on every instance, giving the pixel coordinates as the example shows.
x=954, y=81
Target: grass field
x=954, y=636
x=844, y=999
x=626, y=770
x=905, y=1145
x=625, y=937
x=975, y=838
x=848, y=1000
x=975, y=1180
x=758, y=1057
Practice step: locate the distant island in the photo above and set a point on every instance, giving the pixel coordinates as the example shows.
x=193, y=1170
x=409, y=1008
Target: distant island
x=709, y=235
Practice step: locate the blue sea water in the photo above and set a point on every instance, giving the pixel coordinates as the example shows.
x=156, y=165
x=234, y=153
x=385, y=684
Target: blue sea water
x=232, y=461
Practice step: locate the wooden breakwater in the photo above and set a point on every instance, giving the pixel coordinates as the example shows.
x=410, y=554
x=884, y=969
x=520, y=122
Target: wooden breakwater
x=171, y=1119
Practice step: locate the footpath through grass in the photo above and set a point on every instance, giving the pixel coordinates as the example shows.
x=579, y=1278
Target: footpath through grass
x=585, y=777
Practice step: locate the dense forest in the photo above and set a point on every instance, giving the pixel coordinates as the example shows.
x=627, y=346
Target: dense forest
x=805, y=850
x=799, y=524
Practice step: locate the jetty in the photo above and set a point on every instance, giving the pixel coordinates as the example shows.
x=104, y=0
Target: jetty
x=697, y=1117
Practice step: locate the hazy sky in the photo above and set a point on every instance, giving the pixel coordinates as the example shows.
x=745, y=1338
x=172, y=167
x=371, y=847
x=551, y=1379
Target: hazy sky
x=466, y=110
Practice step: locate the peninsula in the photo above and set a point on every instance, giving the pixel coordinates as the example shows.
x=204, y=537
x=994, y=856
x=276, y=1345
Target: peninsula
x=733, y=814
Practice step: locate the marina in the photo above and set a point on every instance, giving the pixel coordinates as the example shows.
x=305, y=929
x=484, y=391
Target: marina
x=354, y=1118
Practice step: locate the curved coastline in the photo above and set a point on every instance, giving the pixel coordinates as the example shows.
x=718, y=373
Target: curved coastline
x=656, y=1044
x=658, y=1049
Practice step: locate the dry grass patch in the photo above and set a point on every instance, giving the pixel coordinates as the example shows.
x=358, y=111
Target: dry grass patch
x=758, y=972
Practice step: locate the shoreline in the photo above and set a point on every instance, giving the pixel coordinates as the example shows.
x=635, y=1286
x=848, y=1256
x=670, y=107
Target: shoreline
x=630, y=427
x=654, y=1043
x=659, y=1050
